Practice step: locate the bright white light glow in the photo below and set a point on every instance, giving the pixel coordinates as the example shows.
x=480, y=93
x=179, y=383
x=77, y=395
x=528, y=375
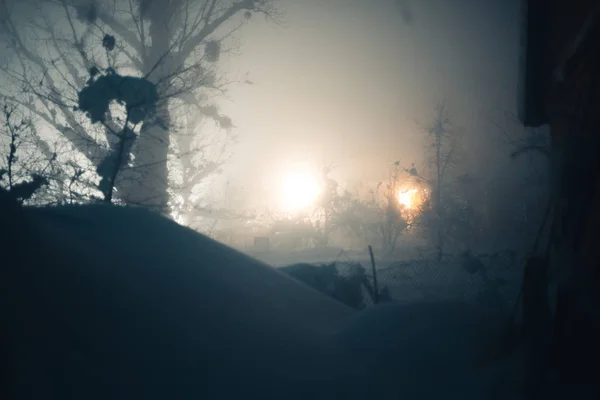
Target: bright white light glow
x=407, y=198
x=299, y=190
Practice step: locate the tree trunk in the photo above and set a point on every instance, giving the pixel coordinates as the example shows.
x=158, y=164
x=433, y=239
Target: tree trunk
x=147, y=183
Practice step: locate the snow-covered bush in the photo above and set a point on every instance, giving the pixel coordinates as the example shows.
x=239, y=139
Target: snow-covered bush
x=348, y=288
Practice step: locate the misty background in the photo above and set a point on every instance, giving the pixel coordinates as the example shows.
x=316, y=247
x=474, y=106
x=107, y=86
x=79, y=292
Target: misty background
x=352, y=86
x=326, y=156
x=361, y=76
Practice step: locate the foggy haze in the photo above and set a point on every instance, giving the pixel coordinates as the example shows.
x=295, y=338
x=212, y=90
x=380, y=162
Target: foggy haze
x=351, y=85
x=298, y=199
x=344, y=82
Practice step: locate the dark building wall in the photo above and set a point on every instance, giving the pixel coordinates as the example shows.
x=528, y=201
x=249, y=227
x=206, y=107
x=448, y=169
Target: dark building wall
x=571, y=106
x=550, y=28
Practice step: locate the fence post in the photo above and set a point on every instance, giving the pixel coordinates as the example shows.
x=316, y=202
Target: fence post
x=375, y=286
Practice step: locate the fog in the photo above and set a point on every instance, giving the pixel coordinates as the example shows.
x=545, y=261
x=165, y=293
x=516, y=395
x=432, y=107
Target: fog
x=346, y=81
x=197, y=184
x=351, y=86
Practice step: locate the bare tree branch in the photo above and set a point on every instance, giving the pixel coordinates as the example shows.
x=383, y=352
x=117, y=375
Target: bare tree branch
x=210, y=26
x=125, y=34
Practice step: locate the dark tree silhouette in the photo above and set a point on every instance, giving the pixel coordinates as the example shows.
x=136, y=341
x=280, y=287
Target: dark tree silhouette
x=173, y=45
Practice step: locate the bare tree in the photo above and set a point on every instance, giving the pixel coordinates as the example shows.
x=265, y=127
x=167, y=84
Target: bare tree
x=200, y=151
x=443, y=214
x=224, y=207
x=441, y=152
x=29, y=169
x=174, y=45
x=523, y=140
x=390, y=221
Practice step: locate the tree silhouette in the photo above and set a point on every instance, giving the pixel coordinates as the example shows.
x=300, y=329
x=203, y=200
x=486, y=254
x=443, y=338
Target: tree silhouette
x=172, y=45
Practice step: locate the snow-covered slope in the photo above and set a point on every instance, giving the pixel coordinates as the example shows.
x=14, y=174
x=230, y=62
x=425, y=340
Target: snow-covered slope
x=115, y=303
x=122, y=303
x=435, y=350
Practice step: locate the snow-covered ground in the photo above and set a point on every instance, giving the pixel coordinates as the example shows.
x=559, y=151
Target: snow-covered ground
x=420, y=280
x=120, y=303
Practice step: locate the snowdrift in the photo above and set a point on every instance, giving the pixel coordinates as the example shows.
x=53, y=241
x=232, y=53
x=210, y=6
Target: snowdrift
x=109, y=302
x=431, y=351
x=119, y=303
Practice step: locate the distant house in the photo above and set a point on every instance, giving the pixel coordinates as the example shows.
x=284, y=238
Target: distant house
x=560, y=87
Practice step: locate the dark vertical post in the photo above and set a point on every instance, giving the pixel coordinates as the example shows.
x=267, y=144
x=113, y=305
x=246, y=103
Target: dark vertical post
x=375, y=286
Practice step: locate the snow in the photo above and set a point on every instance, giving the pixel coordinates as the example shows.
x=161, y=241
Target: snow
x=418, y=280
x=428, y=350
x=316, y=255
x=431, y=280
x=121, y=303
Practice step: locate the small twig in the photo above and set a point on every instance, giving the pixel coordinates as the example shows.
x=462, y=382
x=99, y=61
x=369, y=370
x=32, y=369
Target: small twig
x=540, y=149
